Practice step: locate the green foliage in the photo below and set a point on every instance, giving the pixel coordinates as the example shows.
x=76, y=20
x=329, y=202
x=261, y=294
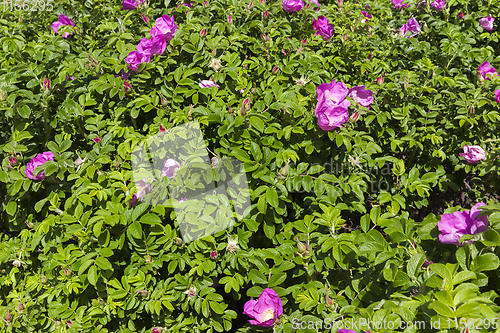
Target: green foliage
x=341, y=223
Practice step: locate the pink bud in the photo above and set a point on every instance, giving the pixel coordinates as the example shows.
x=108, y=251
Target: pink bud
x=46, y=84
x=230, y=19
x=127, y=85
x=275, y=69
x=8, y=317
x=250, y=6
x=380, y=80
x=304, y=41
x=205, y=3
x=265, y=14
x=341, y=3
x=284, y=52
x=460, y=15
x=97, y=140
x=213, y=255
x=246, y=101
x=307, y=7
x=355, y=116
x=263, y=2
x=162, y=129
x=370, y=56
x=12, y=160
x=145, y=18
x=203, y=32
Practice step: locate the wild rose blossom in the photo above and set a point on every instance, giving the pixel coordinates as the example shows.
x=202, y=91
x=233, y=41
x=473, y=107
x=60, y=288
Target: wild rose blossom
x=142, y=190
x=487, y=22
x=331, y=117
x=165, y=27
x=131, y=4
x=411, y=26
x=497, y=96
x=208, y=84
x=473, y=154
x=265, y=310
x=361, y=95
x=135, y=58
x=170, y=167
x=63, y=20
x=35, y=162
x=438, y=5
x=291, y=6
x=484, y=71
x=397, y=4
x=155, y=45
x=334, y=93
x=455, y=225
x=323, y=27
x=365, y=14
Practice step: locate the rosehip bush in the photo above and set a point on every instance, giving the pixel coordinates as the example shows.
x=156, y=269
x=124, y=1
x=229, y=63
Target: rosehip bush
x=343, y=221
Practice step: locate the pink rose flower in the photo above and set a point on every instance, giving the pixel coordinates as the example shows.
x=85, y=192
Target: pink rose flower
x=330, y=116
x=208, y=84
x=155, y=45
x=323, y=27
x=473, y=154
x=397, y=4
x=361, y=95
x=37, y=161
x=63, y=20
x=484, y=71
x=142, y=190
x=365, y=14
x=487, y=22
x=131, y=4
x=265, y=310
x=497, y=96
x=334, y=93
x=438, y=5
x=411, y=26
x=170, y=166
x=291, y=6
x=135, y=58
x=453, y=226
x=165, y=27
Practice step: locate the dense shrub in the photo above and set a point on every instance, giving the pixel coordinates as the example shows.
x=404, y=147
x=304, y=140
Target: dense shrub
x=342, y=223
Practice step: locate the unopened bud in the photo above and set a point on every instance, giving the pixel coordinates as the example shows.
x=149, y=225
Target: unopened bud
x=145, y=18
x=304, y=41
x=203, y=32
x=328, y=300
x=265, y=14
x=307, y=6
x=250, y=6
x=164, y=101
x=178, y=241
x=67, y=271
x=263, y=2
x=276, y=69
x=340, y=3
x=266, y=37
x=143, y=293
x=284, y=170
x=8, y=317
x=355, y=116
x=205, y=3
x=308, y=247
x=300, y=246
x=44, y=279
x=380, y=80
x=20, y=307
x=230, y=19
x=245, y=107
x=213, y=255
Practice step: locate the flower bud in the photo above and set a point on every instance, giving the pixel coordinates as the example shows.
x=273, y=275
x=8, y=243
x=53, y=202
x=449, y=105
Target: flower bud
x=44, y=279
x=380, y=80
x=164, y=101
x=276, y=69
x=20, y=307
x=143, y=293
x=12, y=160
x=300, y=246
x=46, y=84
x=145, y=18
x=8, y=317
x=307, y=6
x=250, y=6
x=245, y=107
x=304, y=41
x=460, y=15
x=328, y=300
x=231, y=110
x=308, y=247
x=205, y=3
x=178, y=241
x=263, y=2
x=67, y=271
x=213, y=255
x=355, y=116
x=203, y=32
x=265, y=14
x=230, y=19
x=285, y=169
x=340, y=3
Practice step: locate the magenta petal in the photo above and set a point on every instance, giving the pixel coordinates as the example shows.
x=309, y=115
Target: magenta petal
x=450, y=238
x=452, y=223
x=56, y=25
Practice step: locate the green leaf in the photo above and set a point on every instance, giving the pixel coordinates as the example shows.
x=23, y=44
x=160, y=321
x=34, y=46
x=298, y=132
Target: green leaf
x=86, y=199
x=103, y=263
x=414, y=264
x=92, y=275
x=216, y=307
x=150, y=219
x=272, y=197
x=277, y=279
x=485, y=262
x=256, y=276
x=11, y=208
x=135, y=230
x=442, y=309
